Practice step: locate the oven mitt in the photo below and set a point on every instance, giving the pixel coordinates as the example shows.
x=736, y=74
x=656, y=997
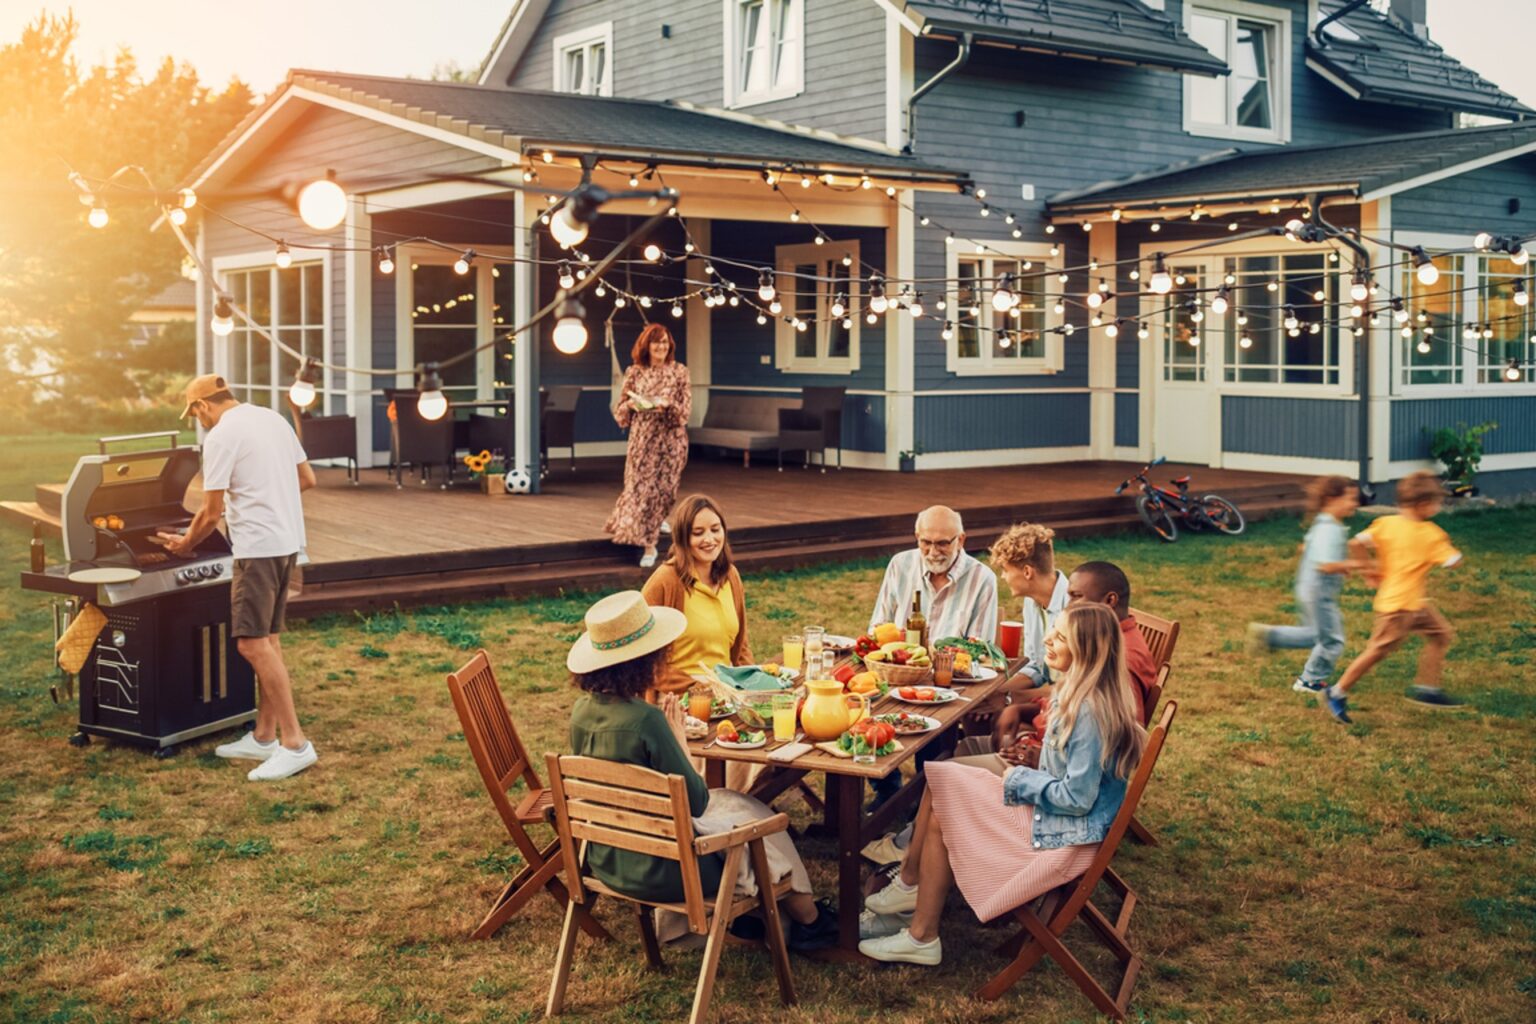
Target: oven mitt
x=74, y=647
x=747, y=677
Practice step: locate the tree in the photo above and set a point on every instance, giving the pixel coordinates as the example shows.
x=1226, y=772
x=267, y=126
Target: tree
x=66, y=289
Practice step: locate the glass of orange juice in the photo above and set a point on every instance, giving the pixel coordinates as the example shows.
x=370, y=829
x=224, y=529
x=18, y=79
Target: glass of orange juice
x=700, y=700
x=794, y=651
x=784, y=717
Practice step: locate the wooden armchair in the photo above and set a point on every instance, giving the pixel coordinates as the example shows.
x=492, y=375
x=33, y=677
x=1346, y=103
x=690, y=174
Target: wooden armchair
x=633, y=808
x=1161, y=635
x=1043, y=929
x=503, y=760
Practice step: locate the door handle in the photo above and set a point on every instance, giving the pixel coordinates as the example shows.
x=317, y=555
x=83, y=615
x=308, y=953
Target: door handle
x=223, y=661
x=207, y=666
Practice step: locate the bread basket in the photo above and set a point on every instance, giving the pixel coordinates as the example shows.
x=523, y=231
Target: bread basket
x=892, y=674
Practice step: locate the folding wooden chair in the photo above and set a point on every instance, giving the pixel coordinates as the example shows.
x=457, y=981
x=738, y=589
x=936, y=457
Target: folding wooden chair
x=633, y=808
x=1043, y=928
x=1161, y=635
x=502, y=759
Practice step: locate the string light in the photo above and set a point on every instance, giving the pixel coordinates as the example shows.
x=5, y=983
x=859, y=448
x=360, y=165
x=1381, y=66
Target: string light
x=98, y=217
x=839, y=305
x=461, y=265
x=386, y=261
x=431, y=403
x=765, y=288
x=302, y=393
x=652, y=252
x=186, y=198
x=915, y=307
x=1512, y=372
x=1360, y=288
x=1290, y=322
x=677, y=310
x=1521, y=297
x=566, y=278
x=1399, y=311
x=1162, y=281
x=176, y=215
x=322, y=204
x=223, y=322
x=1003, y=298
x=878, y=303
x=282, y=257
x=1219, y=303
x=1424, y=267
x=570, y=334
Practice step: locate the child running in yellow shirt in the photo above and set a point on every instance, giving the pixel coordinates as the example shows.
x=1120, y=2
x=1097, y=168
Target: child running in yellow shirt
x=1406, y=547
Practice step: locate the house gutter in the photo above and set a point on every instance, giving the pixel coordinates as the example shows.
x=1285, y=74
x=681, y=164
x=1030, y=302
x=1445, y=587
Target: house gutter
x=962, y=57
x=1317, y=32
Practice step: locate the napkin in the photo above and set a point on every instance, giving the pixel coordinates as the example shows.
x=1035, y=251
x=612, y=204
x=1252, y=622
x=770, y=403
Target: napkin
x=789, y=751
x=748, y=677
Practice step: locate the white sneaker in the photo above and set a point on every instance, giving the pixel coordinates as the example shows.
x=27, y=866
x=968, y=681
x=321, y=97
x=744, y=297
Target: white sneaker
x=247, y=748
x=647, y=561
x=878, y=926
x=895, y=898
x=284, y=763
x=902, y=948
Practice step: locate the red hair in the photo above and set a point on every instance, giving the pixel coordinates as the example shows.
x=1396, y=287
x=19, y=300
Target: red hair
x=641, y=353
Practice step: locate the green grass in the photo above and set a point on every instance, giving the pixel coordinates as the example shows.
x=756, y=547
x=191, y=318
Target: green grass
x=1306, y=872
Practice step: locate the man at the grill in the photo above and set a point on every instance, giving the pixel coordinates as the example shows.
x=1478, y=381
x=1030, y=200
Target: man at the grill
x=253, y=472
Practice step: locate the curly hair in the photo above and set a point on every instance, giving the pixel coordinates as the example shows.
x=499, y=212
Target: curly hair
x=1026, y=544
x=626, y=679
x=641, y=353
x=1420, y=488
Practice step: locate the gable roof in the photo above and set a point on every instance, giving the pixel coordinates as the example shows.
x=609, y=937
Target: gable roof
x=1367, y=170
x=1389, y=64
x=508, y=123
x=1120, y=31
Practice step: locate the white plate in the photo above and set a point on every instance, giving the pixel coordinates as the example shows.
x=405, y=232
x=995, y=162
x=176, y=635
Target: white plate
x=940, y=696
x=838, y=643
x=742, y=746
x=933, y=723
x=983, y=673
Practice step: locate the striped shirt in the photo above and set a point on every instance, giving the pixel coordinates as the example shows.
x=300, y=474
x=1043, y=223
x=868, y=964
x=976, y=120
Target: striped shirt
x=966, y=606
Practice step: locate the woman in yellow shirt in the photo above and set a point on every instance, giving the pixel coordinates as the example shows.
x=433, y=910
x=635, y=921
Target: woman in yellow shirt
x=699, y=580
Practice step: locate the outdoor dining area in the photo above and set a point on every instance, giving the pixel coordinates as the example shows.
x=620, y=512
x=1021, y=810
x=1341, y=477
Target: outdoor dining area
x=792, y=744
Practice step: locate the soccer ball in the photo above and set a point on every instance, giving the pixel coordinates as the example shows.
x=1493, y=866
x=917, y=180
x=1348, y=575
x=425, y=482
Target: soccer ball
x=518, y=482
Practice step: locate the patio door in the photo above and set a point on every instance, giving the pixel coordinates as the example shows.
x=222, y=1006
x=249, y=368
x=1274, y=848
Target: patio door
x=1186, y=414
x=444, y=315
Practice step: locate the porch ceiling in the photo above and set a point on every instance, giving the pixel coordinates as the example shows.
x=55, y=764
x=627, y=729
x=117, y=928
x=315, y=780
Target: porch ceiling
x=1367, y=170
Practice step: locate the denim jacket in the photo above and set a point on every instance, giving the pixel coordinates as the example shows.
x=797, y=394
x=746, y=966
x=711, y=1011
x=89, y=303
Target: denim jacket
x=1074, y=797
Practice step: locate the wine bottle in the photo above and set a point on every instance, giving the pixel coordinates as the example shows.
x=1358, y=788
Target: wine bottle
x=39, y=552
x=917, y=623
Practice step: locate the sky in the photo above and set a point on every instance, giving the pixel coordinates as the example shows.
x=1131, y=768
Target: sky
x=259, y=42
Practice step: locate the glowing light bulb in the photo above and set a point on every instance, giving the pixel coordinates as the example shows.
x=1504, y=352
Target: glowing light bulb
x=677, y=310
x=1424, y=268
x=98, y=217
x=223, y=321
x=652, y=252
x=322, y=204
x=765, y=289
x=1162, y=281
x=176, y=215
x=570, y=334
x=302, y=393
x=282, y=257
x=566, y=278
x=566, y=229
x=461, y=265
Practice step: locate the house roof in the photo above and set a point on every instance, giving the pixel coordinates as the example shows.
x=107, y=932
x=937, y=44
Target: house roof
x=1389, y=64
x=1122, y=31
x=1368, y=170
x=516, y=121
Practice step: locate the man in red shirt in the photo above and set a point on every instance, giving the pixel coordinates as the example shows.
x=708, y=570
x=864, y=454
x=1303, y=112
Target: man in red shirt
x=1105, y=583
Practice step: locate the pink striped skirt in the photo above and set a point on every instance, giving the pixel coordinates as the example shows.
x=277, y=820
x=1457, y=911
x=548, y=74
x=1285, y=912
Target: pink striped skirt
x=991, y=852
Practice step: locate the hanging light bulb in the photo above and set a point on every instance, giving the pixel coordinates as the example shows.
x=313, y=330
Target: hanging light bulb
x=223, y=321
x=176, y=215
x=1155, y=227
x=1111, y=330
x=847, y=259
x=878, y=303
x=1424, y=267
x=948, y=331
x=794, y=216
x=322, y=204
x=568, y=226
x=1294, y=228
x=871, y=319
x=1162, y=281
x=1219, y=302
x=431, y=404
x=839, y=304
x=1521, y=297
x=1242, y=319
x=761, y=320
x=1245, y=341
x=1059, y=308
x=600, y=290
x=915, y=307
x=570, y=334
x=940, y=304
x=1097, y=298
x=1360, y=288
x=651, y=252
x=986, y=211
x=461, y=265
x=821, y=239
x=1482, y=241
x=1423, y=346
x=186, y=198
x=620, y=302
x=677, y=310
x=775, y=307
x=1357, y=311
x=1002, y=296
x=302, y=393
x=645, y=302
x=282, y=257
x=386, y=262
x=1142, y=332
x=805, y=181
x=765, y=289
x=1519, y=255
x=1290, y=320
x=566, y=278
x=1399, y=311
x=98, y=217
x=1512, y=371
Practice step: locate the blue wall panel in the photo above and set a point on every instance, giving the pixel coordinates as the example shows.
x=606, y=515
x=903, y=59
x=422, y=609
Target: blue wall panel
x=1127, y=420
x=1414, y=421
x=1313, y=428
x=1472, y=202
x=978, y=422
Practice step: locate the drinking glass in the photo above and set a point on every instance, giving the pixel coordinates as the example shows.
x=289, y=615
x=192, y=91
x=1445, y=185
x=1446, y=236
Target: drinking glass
x=784, y=707
x=828, y=662
x=794, y=651
x=700, y=700
x=814, y=639
x=943, y=668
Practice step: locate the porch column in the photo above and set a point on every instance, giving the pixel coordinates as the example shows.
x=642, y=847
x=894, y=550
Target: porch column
x=1376, y=222
x=701, y=358
x=357, y=331
x=900, y=350
x=1101, y=347
x=525, y=360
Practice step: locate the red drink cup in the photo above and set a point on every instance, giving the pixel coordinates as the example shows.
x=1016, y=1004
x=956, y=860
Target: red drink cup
x=1010, y=636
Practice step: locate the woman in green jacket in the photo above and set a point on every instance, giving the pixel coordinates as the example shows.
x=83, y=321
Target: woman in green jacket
x=620, y=657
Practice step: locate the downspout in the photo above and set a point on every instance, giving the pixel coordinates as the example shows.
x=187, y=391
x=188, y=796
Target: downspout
x=961, y=59
x=1362, y=352
x=1317, y=33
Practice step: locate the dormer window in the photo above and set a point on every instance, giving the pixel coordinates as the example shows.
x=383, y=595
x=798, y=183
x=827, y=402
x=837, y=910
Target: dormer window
x=1252, y=103
x=764, y=50
x=583, y=61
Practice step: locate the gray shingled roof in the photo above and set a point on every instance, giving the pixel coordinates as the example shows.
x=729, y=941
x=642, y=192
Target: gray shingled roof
x=642, y=128
x=1391, y=65
x=1115, y=30
x=1355, y=168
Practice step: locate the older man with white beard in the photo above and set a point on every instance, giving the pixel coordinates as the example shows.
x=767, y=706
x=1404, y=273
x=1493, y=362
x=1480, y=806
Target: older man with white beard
x=959, y=594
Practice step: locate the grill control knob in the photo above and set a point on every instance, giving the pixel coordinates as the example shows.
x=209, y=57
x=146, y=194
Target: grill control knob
x=181, y=577
x=205, y=572
x=218, y=569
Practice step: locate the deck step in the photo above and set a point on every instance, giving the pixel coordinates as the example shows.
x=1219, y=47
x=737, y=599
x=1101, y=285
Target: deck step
x=50, y=497
x=28, y=513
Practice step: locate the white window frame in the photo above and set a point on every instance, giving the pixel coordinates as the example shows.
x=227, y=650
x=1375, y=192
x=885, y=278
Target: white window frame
x=793, y=83
x=985, y=364
x=1280, y=70
x=584, y=39
x=825, y=256
x=330, y=400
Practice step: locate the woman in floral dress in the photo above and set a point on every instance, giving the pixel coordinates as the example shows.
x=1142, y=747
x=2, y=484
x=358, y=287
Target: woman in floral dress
x=654, y=409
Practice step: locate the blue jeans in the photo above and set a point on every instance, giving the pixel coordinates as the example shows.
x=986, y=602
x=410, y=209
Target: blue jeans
x=1322, y=629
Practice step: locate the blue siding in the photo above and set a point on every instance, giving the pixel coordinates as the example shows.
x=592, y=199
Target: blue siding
x=1313, y=428
x=1414, y=421
x=1472, y=202
x=863, y=417
x=1127, y=421
x=979, y=422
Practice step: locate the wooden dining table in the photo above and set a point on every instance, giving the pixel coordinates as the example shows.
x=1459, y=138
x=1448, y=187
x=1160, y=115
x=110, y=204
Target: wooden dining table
x=844, y=785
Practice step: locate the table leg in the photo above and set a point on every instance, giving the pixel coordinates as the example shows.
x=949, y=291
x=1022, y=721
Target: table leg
x=847, y=790
x=714, y=773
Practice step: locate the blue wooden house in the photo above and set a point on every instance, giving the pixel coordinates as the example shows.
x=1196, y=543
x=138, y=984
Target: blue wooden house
x=1071, y=149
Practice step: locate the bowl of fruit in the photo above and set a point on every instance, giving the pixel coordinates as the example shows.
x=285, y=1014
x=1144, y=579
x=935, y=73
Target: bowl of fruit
x=899, y=663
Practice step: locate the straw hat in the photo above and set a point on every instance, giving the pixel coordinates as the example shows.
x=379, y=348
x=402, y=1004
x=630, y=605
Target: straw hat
x=622, y=627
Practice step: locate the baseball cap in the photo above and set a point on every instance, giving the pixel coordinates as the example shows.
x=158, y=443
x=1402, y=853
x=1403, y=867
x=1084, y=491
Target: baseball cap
x=199, y=388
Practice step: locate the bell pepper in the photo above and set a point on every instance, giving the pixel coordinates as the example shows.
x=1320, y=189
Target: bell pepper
x=845, y=672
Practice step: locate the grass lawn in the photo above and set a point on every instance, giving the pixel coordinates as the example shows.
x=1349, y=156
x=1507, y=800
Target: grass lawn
x=1307, y=872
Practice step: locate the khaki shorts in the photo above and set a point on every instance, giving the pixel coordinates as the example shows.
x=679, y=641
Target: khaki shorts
x=259, y=596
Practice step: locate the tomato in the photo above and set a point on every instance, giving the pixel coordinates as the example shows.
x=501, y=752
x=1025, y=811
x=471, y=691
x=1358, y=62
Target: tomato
x=879, y=734
x=908, y=692
x=923, y=693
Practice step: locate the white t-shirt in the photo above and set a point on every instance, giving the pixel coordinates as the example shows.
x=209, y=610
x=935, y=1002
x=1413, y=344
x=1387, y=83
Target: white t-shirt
x=252, y=455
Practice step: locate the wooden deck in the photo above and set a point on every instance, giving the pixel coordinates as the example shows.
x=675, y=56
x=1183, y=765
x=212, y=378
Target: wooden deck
x=372, y=545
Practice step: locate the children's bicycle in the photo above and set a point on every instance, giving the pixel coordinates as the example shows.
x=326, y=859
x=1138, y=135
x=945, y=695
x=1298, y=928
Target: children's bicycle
x=1159, y=507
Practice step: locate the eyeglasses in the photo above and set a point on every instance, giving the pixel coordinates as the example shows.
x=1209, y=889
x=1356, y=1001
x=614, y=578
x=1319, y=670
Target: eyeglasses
x=942, y=545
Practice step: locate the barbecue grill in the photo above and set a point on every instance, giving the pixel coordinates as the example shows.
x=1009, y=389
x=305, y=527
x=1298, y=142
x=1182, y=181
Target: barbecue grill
x=164, y=668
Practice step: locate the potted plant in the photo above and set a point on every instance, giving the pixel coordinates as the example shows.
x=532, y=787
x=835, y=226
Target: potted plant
x=1460, y=451
x=909, y=459
x=489, y=471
